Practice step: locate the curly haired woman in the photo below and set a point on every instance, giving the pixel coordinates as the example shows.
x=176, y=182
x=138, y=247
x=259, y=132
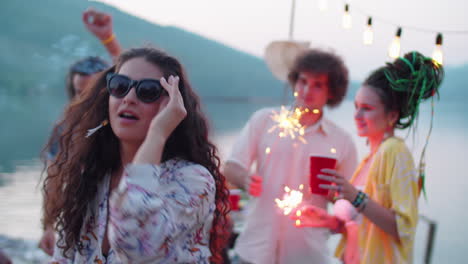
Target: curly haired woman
x=144, y=184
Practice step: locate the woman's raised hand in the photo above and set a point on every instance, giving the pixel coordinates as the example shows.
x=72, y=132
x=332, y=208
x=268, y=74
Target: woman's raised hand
x=98, y=23
x=172, y=109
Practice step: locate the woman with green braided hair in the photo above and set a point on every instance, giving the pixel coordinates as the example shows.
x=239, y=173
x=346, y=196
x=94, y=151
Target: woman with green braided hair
x=377, y=211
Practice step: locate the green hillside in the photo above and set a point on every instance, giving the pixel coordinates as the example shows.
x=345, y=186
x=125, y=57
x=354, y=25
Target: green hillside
x=40, y=39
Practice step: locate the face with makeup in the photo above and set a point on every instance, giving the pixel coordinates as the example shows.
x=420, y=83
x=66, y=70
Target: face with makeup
x=371, y=118
x=129, y=117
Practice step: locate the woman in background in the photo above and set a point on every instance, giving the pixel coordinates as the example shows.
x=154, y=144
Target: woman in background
x=378, y=209
x=78, y=78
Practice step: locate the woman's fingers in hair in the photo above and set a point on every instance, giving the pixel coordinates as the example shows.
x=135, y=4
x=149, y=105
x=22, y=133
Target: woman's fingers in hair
x=171, y=85
x=168, y=84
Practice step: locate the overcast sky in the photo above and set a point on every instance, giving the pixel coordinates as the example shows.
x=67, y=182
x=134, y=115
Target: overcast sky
x=249, y=25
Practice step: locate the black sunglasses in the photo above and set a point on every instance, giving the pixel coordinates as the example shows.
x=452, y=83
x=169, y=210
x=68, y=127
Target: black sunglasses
x=147, y=90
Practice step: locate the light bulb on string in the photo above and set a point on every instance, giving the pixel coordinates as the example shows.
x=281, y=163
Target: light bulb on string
x=368, y=33
x=394, y=49
x=347, y=21
x=438, y=55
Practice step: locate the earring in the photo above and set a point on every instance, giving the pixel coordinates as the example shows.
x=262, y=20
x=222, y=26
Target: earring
x=93, y=130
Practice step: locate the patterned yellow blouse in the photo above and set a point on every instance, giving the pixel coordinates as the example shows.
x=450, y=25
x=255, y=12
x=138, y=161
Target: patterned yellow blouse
x=392, y=183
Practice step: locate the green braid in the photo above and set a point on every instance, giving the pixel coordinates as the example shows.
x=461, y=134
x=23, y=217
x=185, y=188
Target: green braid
x=419, y=84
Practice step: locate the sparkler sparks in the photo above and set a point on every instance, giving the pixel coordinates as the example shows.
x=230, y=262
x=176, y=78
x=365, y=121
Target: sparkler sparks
x=287, y=122
x=298, y=214
x=291, y=199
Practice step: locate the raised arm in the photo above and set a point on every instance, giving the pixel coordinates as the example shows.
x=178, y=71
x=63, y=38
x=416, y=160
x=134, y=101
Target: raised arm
x=101, y=26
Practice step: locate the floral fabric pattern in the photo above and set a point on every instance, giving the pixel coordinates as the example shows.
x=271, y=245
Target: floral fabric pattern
x=158, y=214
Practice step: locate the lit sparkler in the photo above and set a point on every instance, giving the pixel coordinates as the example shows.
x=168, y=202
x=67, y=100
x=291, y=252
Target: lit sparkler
x=291, y=199
x=288, y=123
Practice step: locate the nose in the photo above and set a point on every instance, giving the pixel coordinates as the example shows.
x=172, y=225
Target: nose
x=131, y=97
x=357, y=113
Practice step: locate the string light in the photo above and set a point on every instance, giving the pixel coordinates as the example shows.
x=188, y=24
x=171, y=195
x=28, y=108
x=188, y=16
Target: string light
x=394, y=50
x=368, y=33
x=347, y=22
x=438, y=55
x=323, y=5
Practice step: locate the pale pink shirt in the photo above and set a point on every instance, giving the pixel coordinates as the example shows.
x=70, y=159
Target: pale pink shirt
x=268, y=236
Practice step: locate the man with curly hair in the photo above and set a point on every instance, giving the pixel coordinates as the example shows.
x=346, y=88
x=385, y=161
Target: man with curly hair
x=318, y=79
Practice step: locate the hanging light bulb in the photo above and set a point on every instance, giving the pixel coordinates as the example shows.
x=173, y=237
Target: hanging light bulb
x=438, y=55
x=323, y=5
x=368, y=33
x=347, y=18
x=394, y=50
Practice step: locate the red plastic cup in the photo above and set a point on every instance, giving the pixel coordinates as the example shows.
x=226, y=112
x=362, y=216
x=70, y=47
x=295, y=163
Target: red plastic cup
x=234, y=198
x=317, y=163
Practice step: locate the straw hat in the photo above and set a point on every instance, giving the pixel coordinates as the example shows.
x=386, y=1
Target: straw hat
x=280, y=56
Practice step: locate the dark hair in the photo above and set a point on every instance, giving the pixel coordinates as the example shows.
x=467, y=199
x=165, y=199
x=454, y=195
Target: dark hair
x=83, y=162
x=403, y=84
x=86, y=66
x=319, y=61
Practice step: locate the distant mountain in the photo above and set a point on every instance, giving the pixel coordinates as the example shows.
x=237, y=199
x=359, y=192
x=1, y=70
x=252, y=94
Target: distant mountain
x=455, y=84
x=40, y=39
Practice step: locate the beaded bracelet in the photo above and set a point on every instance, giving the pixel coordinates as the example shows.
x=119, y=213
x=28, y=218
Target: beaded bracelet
x=359, y=199
x=363, y=204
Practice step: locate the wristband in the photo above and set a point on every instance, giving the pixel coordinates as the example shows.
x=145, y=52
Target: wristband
x=108, y=40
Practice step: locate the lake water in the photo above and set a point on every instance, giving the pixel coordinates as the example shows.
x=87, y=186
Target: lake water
x=27, y=125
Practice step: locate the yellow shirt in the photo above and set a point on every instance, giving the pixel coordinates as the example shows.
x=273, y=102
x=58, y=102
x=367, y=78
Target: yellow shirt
x=391, y=182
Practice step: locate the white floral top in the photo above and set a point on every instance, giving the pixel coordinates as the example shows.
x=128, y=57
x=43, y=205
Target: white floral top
x=158, y=214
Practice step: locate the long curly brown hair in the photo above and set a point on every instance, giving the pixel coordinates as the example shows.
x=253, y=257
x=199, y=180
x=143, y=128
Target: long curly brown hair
x=82, y=163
